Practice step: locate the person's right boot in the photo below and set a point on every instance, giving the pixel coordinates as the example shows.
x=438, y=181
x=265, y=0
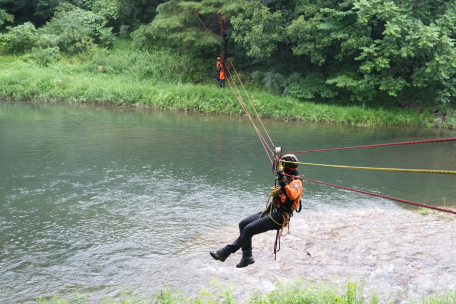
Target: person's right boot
x=219, y=255
x=245, y=261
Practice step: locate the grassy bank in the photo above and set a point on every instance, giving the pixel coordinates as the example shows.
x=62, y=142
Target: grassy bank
x=292, y=293
x=161, y=79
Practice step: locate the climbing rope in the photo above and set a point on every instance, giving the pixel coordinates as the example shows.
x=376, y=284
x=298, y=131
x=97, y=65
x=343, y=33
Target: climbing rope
x=244, y=107
x=379, y=145
x=259, y=118
x=378, y=195
x=377, y=169
x=241, y=102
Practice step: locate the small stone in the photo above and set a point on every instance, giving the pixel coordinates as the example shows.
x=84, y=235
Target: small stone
x=438, y=120
x=419, y=111
x=426, y=119
x=434, y=110
x=439, y=113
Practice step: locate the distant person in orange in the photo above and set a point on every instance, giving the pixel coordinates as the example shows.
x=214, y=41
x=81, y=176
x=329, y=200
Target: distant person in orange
x=220, y=73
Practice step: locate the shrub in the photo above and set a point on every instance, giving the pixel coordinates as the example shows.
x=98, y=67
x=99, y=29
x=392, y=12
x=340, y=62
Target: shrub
x=78, y=29
x=20, y=38
x=311, y=86
x=46, y=55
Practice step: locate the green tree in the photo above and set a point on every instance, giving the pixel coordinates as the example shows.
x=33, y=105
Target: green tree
x=76, y=29
x=192, y=25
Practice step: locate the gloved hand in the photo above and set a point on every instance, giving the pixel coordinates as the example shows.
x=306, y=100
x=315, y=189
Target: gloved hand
x=280, y=175
x=282, y=179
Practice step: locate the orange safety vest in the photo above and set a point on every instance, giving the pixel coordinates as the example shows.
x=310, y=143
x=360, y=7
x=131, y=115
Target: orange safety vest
x=222, y=74
x=292, y=196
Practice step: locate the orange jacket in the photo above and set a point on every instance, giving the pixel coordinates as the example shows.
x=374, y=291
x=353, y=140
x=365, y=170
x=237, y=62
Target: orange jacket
x=222, y=74
x=292, y=196
x=219, y=65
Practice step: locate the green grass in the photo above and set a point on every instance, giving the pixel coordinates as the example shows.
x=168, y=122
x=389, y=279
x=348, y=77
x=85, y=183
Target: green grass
x=163, y=79
x=293, y=293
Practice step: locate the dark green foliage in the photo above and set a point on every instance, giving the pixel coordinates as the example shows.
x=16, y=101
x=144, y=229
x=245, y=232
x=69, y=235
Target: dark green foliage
x=135, y=13
x=192, y=26
x=77, y=29
x=5, y=17
x=363, y=47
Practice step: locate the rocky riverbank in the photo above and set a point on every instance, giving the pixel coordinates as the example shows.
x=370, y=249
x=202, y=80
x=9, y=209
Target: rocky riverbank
x=399, y=254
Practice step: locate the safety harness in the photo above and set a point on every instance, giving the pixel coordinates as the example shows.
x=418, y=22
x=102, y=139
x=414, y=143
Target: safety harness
x=272, y=206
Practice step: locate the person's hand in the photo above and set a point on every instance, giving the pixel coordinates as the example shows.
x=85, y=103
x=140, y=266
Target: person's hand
x=283, y=183
x=280, y=175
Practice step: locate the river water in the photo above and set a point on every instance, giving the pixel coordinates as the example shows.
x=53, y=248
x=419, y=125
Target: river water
x=97, y=199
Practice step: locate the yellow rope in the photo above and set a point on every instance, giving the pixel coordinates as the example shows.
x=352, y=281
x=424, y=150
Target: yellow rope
x=377, y=169
x=273, y=191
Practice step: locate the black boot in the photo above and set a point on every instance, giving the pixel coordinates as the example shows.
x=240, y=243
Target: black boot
x=219, y=255
x=245, y=261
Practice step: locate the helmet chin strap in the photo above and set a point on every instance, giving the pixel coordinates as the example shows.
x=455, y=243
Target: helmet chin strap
x=291, y=171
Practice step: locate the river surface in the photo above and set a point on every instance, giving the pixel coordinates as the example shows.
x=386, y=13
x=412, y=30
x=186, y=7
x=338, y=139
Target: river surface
x=97, y=199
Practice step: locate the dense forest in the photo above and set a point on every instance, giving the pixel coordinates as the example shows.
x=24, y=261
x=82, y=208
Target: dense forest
x=350, y=52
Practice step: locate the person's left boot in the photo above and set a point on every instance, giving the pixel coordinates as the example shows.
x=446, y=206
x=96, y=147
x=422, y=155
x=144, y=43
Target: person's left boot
x=245, y=261
x=219, y=255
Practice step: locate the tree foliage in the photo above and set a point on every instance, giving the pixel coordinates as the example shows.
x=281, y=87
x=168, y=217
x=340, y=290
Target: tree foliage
x=192, y=25
x=351, y=50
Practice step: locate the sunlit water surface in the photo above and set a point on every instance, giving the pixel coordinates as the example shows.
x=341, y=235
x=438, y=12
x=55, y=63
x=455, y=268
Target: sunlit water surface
x=96, y=199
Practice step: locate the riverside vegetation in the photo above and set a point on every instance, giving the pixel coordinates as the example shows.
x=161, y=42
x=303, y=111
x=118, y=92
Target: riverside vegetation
x=357, y=62
x=293, y=293
x=164, y=79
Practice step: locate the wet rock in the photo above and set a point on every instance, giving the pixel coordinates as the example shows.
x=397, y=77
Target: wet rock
x=419, y=111
x=438, y=120
x=434, y=110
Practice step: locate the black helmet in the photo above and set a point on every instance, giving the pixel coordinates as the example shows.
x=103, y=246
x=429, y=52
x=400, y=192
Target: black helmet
x=290, y=158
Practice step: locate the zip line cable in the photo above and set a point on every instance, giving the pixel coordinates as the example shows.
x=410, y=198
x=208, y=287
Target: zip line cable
x=259, y=118
x=380, y=145
x=378, y=195
x=244, y=106
x=262, y=140
x=377, y=169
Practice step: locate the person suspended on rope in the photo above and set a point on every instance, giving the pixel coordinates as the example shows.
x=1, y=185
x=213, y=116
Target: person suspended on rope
x=285, y=201
x=220, y=73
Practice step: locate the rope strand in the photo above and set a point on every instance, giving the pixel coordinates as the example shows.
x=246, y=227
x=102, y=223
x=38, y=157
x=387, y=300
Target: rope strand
x=378, y=195
x=259, y=118
x=380, y=145
x=243, y=105
x=262, y=140
x=377, y=169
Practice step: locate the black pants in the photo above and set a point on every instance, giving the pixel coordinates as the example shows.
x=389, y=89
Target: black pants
x=251, y=226
x=222, y=83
